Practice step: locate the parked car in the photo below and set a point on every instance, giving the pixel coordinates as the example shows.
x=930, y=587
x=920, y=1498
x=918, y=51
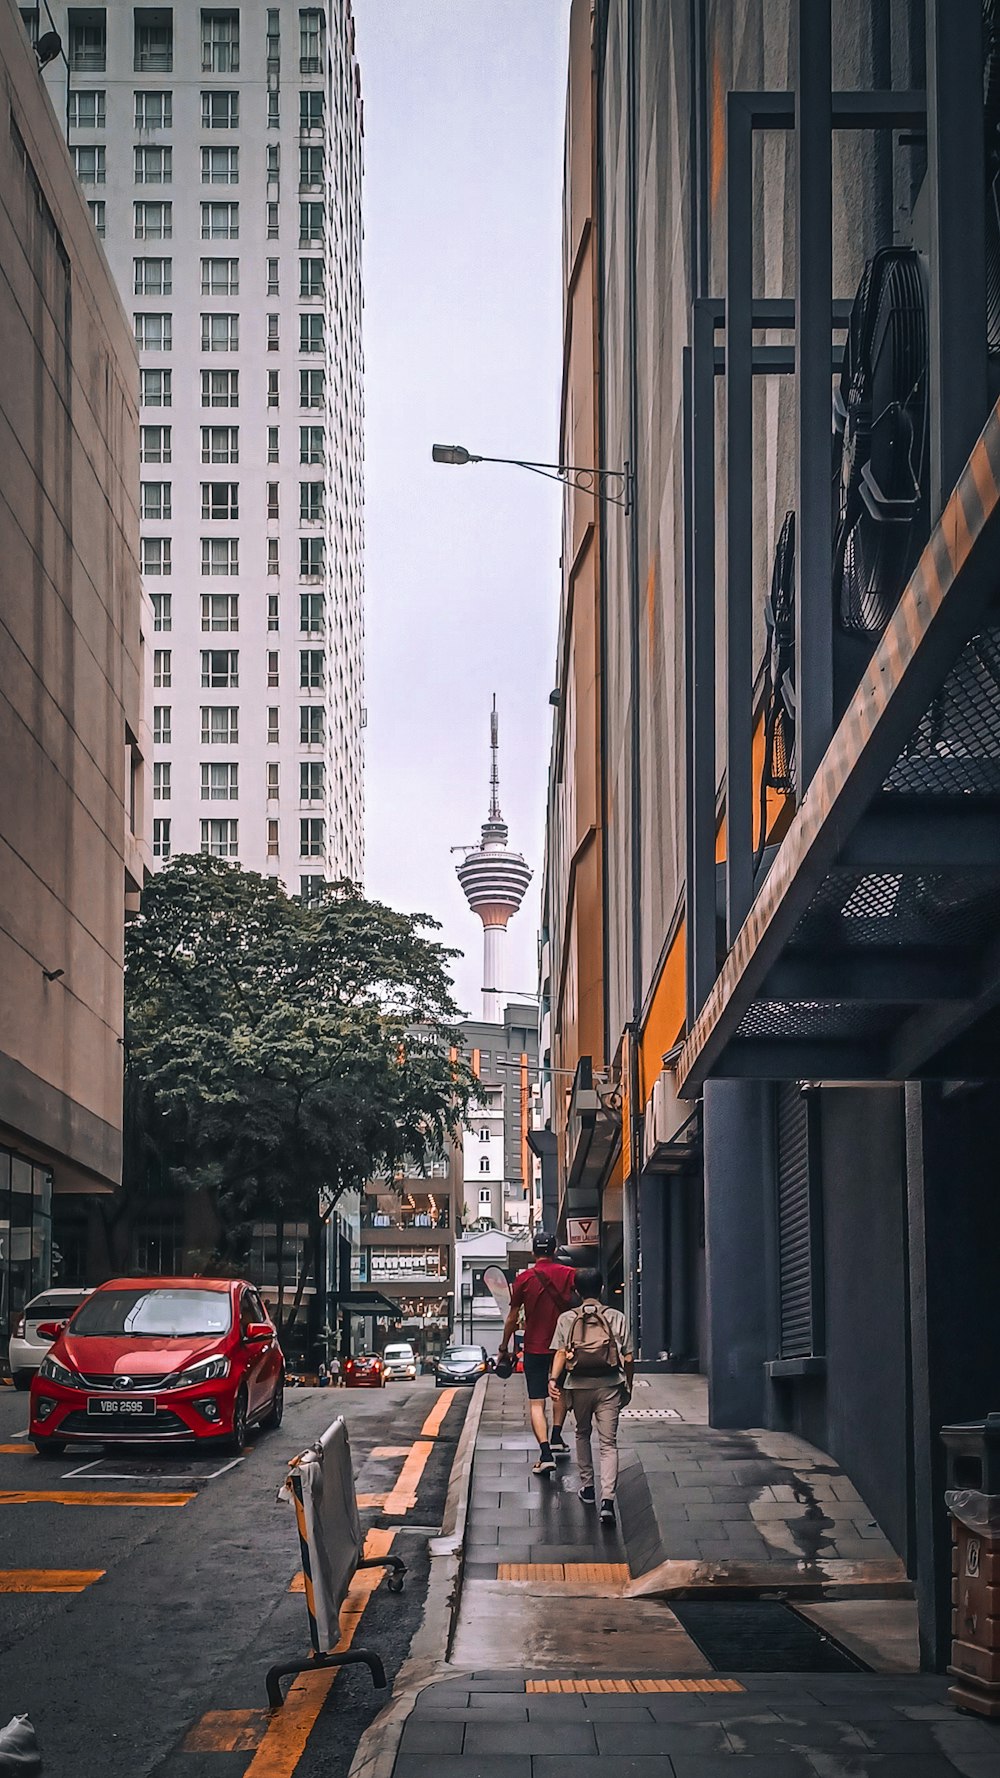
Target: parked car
x=27, y=1346
x=159, y=1360
x=461, y=1364
x=366, y=1371
x=399, y=1361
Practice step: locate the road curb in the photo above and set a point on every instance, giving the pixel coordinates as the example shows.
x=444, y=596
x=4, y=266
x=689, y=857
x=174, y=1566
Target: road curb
x=426, y=1662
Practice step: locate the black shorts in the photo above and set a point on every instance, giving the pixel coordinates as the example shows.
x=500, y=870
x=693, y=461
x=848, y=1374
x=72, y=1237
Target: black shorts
x=536, y=1374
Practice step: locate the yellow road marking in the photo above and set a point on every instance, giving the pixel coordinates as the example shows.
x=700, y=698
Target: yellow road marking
x=48, y=1580
x=17, y=1450
x=567, y=1572
x=404, y=1494
x=370, y=1500
x=226, y=1731
x=63, y=1497
x=432, y=1425
x=378, y=1451
x=633, y=1685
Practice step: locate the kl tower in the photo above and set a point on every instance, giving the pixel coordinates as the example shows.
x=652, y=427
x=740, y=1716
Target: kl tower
x=494, y=880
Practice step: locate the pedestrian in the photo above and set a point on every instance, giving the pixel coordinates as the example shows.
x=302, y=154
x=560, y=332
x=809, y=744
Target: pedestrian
x=543, y=1291
x=593, y=1365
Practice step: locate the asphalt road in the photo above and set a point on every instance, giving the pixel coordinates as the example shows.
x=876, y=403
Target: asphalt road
x=156, y=1665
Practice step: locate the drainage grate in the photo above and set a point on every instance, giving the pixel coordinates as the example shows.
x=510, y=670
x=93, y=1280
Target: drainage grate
x=760, y=1636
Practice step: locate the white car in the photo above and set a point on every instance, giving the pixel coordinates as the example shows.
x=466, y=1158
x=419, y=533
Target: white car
x=400, y=1363
x=27, y=1346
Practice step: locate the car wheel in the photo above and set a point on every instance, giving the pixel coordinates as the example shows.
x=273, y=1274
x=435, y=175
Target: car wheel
x=238, y=1436
x=272, y=1419
x=49, y=1447
x=22, y=1379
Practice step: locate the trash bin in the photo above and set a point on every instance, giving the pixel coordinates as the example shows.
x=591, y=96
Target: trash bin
x=973, y=1500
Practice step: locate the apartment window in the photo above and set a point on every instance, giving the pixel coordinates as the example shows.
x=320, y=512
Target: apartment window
x=220, y=222
x=272, y=726
x=220, y=444
x=272, y=438
x=311, y=781
x=311, y=443
x=154, y=333
x=219, y=782
x=220, y=611
x=312, y=837
x=272, y=333
x=161, y=725
x=161, y=837
x=29, y=19
x=311, y=503
x=272, y=388
x=154, y=555
x=273, y=34
x=220, y=668
x=310, y=223
x=220, y=166
x=484, y=1135
x=154, y=277
x=220, y=555
x=154, y=166
x=273, y=667
x=272, y=839
x=87, y=111
x=311, y=110
x=272, y=162
x=272, y=780
x=485, y=1191
x=272, y=500
x=310, y=725
x=220, y=388
x=220, y=333
x=312, y=171
x=311, y=889
x=98, y=216
x=154, y=444
x=311, y=336
x=310, y=41
x=220, y=500
x=153, y=222
x=273, y=108
x=484, y=1167
x=154, y=111
x=312, y=557
x=161, y=781
x=220, y=838
x=310, y=279
x=154, y=40
x=88, y=40
x=163, y=611
x=272, y=555
x=220, y=277
x=220, y=111
x=162, y=664
x=90, y=164
x=156, y=388
x=272, y=611
x=220, y=725
x=310, y=669
x=272, y=277
x=220, y=42
x=155, y=500
x=312, y=388
x=272, y=222
x=312, y=613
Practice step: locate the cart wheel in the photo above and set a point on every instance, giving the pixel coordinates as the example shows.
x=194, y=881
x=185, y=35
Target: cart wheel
x=395, y=1583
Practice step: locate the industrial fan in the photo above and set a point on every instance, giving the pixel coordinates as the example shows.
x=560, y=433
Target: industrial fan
x=880, y=424
x=778, y=772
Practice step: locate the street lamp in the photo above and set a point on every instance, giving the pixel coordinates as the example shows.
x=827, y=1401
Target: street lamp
x=598, y=482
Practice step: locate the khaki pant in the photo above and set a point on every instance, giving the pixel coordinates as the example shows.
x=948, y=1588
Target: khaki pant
x=600, y=1402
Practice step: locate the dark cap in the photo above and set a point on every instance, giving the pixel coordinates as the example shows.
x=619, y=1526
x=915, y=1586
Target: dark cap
x=544, y=1244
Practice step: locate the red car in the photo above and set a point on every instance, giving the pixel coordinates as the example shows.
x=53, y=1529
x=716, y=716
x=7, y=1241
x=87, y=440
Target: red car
x=364, y=1372
x=159, y=1360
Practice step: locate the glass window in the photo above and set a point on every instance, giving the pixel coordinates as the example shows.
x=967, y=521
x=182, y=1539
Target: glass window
x=273, y=666
x=154, y=166
x=220, y=166
x=310, y=41
x=273, y=33
x=220, y=111
x=87, y=111
x=148, y=1309
x=220, y=611
x=161, y=725
x=29, y=19
x=311, y=221
x=312, y=787
x=220, y=500
x=163, y=608
x=90, y=164
x=310, y=279
x=272, y=222
x=312, y=613
x=154, y=40
x=272, y=333
x=154, y=444
x=161, y=837
x=220, y=388
x=98, y=216
x=154, y=111
x=311, y=334
x=272, y=278
x=273, y=108
x=220, y=42
x=220, y=725
x=220, y=222
x=312, y=388
x=272, y=443
x=161, y=781
x=154, y=277
x=272, y=727
x=154, y=555
x=272, y=839
x=311, y=110
x=311, y=669
x=272, y=555
x=272, y=780
x=219, y=783
x=88, y=40
x=272, y=610
x=312, y=166
x=220, y=667
x=155, y=501
x=220, y=333
x=220, y=838
x=156, y=388
x=272, y=162
x=311, y=725
x=273, y=386
x=220, y=444
x=154, y=222
x=312, y=837
x=154, y=333
x=312, y=557
x=220, y=555
x=220, y=277
x=311, y=888
x=311, y=444
x=311, y=503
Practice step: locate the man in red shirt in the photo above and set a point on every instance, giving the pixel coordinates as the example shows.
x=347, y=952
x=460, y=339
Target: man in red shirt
x=543, y=1291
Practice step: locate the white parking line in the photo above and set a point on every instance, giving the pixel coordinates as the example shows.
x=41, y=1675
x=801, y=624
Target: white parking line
x=180, y=1475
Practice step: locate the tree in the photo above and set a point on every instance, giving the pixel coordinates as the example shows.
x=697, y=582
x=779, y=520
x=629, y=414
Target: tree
x=287, y=1052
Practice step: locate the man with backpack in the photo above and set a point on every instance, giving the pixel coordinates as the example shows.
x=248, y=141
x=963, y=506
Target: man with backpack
x=543, y=1291
x=593, y=1365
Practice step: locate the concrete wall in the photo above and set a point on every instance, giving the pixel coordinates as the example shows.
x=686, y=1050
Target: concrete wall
x=73, y=803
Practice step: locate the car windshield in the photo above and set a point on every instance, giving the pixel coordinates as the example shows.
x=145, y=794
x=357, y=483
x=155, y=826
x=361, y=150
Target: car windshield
x=398, y=1352
x=463, y=1352
x=142, y=1309
x=57, y=1305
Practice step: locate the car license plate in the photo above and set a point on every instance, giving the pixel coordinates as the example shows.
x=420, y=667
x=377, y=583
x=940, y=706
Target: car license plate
x=119, y=1407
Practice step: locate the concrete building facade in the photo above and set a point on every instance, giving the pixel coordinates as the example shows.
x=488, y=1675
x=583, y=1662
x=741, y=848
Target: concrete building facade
x=501, y=1172
x=220, y=152
x=74, y=738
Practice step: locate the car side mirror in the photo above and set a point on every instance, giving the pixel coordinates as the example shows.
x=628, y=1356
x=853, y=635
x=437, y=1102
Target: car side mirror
x=258, y=1332
x=50, y=1330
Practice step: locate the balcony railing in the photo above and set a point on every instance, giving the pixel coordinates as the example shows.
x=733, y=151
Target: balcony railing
x=405, y=1219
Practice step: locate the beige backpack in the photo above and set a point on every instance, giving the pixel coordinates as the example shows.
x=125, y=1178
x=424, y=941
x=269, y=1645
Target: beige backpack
x=592, y=1350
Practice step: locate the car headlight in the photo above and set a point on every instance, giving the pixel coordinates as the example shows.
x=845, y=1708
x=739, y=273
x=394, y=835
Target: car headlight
x=207, y=1370
x=58, y=1373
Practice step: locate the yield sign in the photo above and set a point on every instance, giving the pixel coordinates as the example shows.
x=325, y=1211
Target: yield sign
x=581, y=1231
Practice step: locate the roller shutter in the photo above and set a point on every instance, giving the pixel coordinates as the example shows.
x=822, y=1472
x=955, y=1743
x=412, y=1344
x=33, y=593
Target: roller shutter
x=799, y=1225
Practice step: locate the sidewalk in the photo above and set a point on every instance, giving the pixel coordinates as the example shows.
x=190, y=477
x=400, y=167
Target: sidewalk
x=566, y=1649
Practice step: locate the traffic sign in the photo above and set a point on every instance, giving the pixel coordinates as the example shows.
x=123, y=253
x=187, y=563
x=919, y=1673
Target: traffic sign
x=582, y=1231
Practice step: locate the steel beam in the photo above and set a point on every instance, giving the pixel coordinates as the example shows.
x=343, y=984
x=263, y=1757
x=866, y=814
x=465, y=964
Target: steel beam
x=770, y=361
x=739, y=513
x=926, y=1037
x=798, y=1058
x=936, y=836
x=701, y=679
x=900, y=978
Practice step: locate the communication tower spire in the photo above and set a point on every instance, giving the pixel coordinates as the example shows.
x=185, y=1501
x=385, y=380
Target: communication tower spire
x=494, y=880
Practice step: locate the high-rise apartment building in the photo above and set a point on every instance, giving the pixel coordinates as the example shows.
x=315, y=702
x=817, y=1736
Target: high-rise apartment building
x=220, y=151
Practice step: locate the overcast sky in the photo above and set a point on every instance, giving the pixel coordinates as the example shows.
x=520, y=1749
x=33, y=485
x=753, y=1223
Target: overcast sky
x=464, y=115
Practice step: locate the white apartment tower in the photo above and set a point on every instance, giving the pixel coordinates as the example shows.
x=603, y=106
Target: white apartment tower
x=220, y=150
